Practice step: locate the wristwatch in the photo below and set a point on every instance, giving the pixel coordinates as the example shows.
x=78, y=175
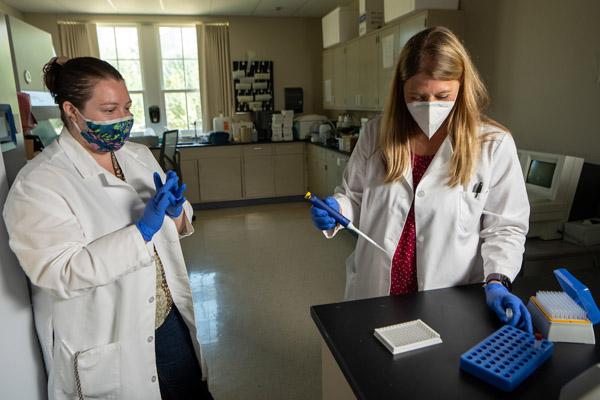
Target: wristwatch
x=503, y=279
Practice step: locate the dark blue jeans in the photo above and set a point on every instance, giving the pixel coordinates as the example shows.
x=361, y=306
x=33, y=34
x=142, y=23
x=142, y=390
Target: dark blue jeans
x=179, y=372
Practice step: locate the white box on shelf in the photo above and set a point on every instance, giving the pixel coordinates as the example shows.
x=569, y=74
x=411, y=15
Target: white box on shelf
x=339, y=25
x=586, y=232
x=369, y=22
x=370, y=16
x=396, y=8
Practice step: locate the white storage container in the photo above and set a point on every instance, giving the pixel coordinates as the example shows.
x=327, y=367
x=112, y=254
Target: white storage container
x=370, y=15
x=339, y=26
x=307, y=124
x=396, y=8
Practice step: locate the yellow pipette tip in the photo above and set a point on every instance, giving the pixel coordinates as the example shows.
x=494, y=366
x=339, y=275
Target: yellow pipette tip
x=307, y=195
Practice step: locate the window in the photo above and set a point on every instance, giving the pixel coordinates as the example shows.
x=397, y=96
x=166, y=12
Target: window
x=179, y=77
x=119, y=46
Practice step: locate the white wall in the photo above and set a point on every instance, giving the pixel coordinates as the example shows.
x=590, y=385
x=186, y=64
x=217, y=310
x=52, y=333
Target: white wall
x=293, y=44
x=541, y=62
x=22, y=375
x=5, y=8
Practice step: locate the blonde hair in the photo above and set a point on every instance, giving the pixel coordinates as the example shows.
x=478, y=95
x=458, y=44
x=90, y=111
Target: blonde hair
x=438, y=53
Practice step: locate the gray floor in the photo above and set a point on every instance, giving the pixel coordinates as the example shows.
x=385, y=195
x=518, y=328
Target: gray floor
x=255, y=272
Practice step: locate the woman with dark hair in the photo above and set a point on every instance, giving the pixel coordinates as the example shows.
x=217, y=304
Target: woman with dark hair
x=437, y=184
x=96, y=225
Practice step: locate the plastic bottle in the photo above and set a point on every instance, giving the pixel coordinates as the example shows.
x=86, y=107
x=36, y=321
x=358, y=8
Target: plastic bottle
x=221, y=123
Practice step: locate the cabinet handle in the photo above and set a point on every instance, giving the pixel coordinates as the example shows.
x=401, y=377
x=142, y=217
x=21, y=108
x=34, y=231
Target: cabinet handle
x=257, y=148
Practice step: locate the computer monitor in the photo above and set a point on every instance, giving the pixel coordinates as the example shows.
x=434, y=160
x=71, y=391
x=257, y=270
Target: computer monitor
x=551, y=181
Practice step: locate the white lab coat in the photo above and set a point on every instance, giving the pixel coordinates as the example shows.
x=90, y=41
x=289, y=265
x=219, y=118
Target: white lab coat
x=71, y=225
x=460, y=238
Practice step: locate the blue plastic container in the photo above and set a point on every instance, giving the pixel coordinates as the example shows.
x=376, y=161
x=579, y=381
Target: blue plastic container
x=506, y=358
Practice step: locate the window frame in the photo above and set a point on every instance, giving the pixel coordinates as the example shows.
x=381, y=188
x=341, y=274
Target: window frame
x=191, y=131
x=140, y=58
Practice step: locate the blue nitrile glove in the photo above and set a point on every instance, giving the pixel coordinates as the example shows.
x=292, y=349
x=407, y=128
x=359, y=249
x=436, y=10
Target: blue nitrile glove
x=155, y=210
x=321, y=218
x=176, y=207
x=499, y=299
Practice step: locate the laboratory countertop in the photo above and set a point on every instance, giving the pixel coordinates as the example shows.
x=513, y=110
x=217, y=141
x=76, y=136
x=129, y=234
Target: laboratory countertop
x=195, y=144
x=462, y=318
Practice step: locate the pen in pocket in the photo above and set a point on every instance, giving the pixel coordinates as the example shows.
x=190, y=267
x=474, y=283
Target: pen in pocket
x=477, y=188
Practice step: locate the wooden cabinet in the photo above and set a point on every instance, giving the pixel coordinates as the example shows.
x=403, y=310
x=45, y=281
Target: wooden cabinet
x=290, y=170
x=317, y=169
x=226, y=173
x=339, y=77
x=328, y=99
x=219, y=173
x=353, y=84
x=336, y=164
x=361, y=69
x=368, y=67
x=325, y=169
x=190, y=176
x=259, y=179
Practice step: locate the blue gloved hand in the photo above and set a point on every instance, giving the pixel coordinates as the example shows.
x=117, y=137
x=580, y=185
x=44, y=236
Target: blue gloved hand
x=321, y=218
x=176, y=207
x=499, y=299
x=155, y=210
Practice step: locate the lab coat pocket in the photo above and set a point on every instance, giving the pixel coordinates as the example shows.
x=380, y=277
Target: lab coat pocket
x=471, y=209
x=94, y=373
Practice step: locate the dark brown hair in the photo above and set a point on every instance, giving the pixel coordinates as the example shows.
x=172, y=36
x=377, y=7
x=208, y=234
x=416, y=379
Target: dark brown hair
x=74, y=80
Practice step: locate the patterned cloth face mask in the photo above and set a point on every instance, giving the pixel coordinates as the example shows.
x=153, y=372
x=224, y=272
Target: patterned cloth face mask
x=105, y=136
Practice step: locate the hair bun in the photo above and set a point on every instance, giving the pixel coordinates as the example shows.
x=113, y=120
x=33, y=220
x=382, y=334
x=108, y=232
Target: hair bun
x=51, y=72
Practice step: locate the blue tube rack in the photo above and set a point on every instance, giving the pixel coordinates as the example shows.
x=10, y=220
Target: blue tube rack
x=506, y=358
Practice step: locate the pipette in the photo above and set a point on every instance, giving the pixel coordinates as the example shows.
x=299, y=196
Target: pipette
x=339, y=218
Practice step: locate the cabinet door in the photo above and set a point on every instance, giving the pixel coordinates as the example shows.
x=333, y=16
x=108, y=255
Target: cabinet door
x=258, y=176
x=368, y=78
x=289, y=175
x=328, y=79
x=317, y=170
x=339, y=77
x=387, y=58
x=334, y=176
x=220, y=179
x=407, y=29
x=353, y=85
x=190, y=176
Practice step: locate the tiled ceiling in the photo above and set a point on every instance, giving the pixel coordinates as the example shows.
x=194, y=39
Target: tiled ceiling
x=266, y=8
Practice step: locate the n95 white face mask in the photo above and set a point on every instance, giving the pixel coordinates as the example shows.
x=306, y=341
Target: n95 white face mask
x=430, y=115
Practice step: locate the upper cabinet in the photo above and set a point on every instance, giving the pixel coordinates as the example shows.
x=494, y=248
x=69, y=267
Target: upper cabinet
x=31, y=49
x=357, y=74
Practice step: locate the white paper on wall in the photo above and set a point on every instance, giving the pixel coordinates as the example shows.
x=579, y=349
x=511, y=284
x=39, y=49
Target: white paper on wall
x=388, y=51
x=328, y=94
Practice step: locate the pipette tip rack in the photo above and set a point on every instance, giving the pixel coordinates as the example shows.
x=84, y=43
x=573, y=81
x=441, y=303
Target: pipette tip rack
x=506, y=358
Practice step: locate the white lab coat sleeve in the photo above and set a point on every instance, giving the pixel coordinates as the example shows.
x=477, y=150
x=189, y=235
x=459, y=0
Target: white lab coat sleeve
x=51, y=247
x=188, y=228
x=505, y=219
x=349, y=193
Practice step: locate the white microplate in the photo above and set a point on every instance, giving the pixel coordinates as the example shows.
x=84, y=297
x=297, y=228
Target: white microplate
x=407, y=336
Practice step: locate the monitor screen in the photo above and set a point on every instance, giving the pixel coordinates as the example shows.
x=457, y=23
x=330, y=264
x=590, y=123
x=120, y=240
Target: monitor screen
x=541, y=173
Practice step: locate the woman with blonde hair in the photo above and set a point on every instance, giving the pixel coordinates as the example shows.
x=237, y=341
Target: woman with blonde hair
x=436, y=183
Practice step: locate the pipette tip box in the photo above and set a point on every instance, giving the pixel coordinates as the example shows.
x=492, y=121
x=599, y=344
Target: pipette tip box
x=506, y=358
x=407, y=336
x=567, y=316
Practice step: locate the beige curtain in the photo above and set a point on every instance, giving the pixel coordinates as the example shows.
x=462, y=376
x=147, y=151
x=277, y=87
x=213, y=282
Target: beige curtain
x=77, y=39
x=216, y=83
